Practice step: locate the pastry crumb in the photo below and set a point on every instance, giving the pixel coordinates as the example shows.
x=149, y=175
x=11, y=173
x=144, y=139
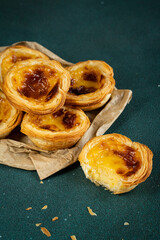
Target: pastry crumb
x=45, y=231
x=73, y=237
x=45, y=207
x=126, y=223
x=41, y=182
x=54, y=219
x=29, y=208
x=91, y=212
x=38, y=224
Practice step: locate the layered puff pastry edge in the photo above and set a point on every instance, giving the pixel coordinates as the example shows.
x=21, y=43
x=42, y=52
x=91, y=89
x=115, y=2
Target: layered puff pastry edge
x=14, y=54
x=115, y=162
x=37, y=86
x=10, y=117
x=58, y=130
x=92, y=83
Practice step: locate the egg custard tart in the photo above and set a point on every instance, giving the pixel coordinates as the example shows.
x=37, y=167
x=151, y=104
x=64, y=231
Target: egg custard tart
x=10, y=117
x=58, y=130
x=15, y=54
x=115, y=162
x=37, y=86
x=91, y=86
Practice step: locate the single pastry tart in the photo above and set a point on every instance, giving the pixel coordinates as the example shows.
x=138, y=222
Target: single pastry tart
x=37, y=86
x=10, y=117
x=14, y=54
x=115, y=162
x=58, y=130
x=91, y=86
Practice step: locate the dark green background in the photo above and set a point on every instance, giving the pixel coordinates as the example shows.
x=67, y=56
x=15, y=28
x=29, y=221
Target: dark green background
x=125, y=34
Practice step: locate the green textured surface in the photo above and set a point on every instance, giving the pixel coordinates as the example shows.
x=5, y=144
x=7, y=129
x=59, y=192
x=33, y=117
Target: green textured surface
x=126, y=34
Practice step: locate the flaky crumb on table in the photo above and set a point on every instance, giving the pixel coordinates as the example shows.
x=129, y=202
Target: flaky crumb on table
x=54, y=219
x=29, y=208
x=126, y=223
x=45, y=207
x=91, y=212
x=38, y=224
x=73, y=237
x=45, y=231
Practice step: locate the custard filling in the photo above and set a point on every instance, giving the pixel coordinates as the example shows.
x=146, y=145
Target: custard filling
x=62, y=120
x=39, y=83
x=85, y=80
x=115, y=157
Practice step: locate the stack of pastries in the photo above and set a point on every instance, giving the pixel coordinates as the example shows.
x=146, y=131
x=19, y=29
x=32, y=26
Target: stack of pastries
x=52, y=98
x=49, y=101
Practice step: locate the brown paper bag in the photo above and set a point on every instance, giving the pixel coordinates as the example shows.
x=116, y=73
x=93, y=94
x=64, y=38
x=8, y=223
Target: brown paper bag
x=18, y=151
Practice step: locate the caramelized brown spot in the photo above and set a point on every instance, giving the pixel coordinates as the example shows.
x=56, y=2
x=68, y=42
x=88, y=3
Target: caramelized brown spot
x=52, y=92
x=131, y=162
x=16, y=59
x=0, y=120
x=35, y=84
x=51, y=72
x=69, y=119
x=37, y=120
x=128, y=156
x=45, y=127
x=102, y=77
x=103, y=145
x=1, y=100
x=50, y=127
x=5, y=111
x=72, y=81
x=120, y=171
x=135, y=169
x=58, y=113
x=90, y=76
x=82, y=90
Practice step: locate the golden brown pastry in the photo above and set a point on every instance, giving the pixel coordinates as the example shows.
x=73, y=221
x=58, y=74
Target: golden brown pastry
x=115, y=162
x=61, y=129
x=14, y=54
x=37, y=86
x=10, y=117
x=91, y=84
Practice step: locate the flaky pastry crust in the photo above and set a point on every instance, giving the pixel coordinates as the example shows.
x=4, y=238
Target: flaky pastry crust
x=37, y=86
x=115, y=162
x=10, y=117
x=61, y=129
x=14, y=54
x=92, y=83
